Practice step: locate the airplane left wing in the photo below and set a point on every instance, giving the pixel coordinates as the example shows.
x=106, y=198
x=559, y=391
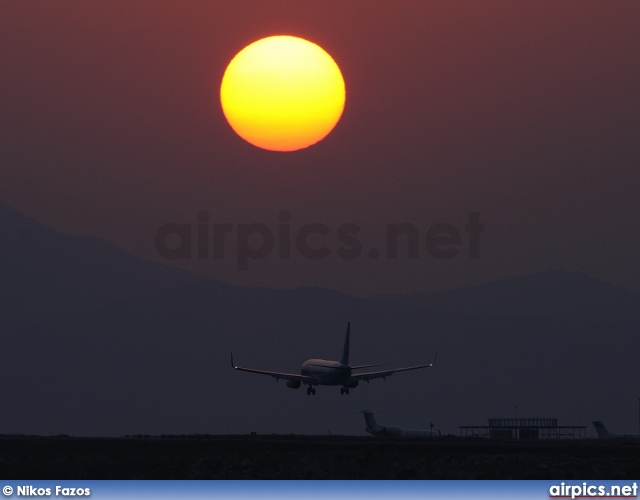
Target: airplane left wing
x=277, y=375
x=387, y=373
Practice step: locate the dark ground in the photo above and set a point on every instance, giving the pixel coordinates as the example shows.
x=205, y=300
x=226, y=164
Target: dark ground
x=313, y=457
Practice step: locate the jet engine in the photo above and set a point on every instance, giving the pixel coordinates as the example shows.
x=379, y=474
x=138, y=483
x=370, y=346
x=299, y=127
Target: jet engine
x=294, y=384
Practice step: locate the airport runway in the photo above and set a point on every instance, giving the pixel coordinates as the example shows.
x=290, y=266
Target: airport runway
x=313, y=457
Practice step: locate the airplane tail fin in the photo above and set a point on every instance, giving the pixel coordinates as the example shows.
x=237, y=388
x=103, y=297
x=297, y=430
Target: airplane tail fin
x=344, y=360
x=601, y=429
x=371, y=420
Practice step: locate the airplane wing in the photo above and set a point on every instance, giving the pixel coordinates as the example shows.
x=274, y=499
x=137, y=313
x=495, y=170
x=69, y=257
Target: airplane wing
x=368, y=366
x=387, y=373
x=277, y=375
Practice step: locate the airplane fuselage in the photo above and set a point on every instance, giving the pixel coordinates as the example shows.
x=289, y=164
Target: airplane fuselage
x=388, y=431
x=326, y=372
x=397, y=431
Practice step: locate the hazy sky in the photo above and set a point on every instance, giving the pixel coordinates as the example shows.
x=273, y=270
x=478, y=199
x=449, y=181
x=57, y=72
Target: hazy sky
x=525, y=112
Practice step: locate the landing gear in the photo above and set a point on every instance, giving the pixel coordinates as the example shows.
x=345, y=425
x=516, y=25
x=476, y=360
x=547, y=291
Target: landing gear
x=311, y=390
x=344, y=390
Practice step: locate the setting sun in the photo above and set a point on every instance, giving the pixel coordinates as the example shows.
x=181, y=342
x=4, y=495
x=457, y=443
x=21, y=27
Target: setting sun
x=282, y=93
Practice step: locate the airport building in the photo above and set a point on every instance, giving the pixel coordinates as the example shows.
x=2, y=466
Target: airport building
x=524, y=428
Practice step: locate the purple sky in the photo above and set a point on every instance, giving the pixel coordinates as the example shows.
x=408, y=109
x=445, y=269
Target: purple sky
x=526, y=112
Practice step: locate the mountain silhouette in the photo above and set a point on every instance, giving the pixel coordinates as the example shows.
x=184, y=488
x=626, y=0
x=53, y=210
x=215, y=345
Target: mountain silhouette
x=552, y=293
x=46, y=274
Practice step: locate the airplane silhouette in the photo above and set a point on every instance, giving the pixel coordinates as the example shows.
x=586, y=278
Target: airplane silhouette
x=379, y=431
x=316, y=372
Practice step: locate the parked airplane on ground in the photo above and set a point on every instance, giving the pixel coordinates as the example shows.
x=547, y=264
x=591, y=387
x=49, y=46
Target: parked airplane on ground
x=322, y=372
x=603, y=433
x=378, y=430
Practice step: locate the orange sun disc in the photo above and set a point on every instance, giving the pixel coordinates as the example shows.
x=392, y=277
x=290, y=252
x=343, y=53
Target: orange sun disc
x=282, y=93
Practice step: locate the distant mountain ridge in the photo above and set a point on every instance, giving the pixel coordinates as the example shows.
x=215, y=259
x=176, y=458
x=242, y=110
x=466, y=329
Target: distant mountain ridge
x=46, y=274
x=553, y=293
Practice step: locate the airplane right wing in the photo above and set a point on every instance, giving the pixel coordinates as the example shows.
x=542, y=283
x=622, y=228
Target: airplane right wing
x=387, y=373
x=277, y=375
